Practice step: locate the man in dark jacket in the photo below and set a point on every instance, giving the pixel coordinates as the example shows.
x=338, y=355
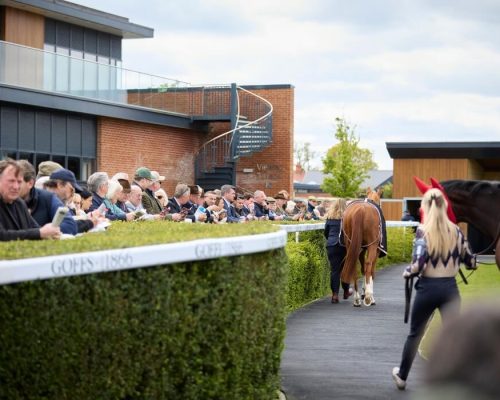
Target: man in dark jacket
x=15, y=219
x=42, y=203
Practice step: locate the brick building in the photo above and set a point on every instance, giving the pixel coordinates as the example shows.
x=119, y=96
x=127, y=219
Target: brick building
x=64, y=96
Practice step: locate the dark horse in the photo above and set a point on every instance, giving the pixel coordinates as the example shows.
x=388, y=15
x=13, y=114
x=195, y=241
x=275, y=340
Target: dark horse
x=362, y=233
x=477, y=203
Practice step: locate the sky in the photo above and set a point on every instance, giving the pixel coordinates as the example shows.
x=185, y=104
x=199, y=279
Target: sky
x=395, y=70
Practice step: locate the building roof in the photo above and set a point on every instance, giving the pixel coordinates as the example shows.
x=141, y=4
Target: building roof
x=314, y=178
x=487, y=154
x=82, y=16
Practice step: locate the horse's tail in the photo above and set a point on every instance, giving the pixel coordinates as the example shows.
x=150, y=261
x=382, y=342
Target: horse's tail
x=353, y=244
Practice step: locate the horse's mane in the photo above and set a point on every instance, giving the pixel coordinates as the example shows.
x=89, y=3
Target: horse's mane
x=473, y=187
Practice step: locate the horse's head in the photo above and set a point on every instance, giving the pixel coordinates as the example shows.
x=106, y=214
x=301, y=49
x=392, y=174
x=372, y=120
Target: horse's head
x=423, y=187
x=374, y=196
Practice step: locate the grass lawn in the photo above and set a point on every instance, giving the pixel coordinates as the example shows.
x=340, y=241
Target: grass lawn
x=484, y=285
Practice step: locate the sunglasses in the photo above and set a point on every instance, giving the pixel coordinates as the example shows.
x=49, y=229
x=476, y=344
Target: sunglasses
x=159, y=197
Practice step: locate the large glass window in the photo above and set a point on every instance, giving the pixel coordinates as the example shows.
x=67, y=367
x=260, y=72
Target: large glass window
x=44, y=135
x=72, y=76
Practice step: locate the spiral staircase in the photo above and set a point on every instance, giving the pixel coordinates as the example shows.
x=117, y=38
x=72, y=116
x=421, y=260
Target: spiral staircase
x=250, y=118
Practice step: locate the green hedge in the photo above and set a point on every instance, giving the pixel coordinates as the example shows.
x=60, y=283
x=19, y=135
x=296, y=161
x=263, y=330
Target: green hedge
x=309, y=275
x=198, y=330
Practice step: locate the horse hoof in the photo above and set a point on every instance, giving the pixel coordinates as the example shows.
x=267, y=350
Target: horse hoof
x=369, y=301
x=356, y=305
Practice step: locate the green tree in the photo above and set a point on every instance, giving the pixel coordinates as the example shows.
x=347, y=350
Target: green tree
x=304, y=155
x=387, y=191
x=346, y=164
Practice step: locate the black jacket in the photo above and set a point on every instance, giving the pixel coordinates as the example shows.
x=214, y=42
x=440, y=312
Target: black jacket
x=16, y=222
x=332, y=232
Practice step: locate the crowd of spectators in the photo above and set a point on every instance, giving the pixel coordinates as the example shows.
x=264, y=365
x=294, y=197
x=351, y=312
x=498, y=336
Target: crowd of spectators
x=29, y=201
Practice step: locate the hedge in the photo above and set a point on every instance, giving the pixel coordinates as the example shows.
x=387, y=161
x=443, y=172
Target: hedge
x=197, y=330
x=211, y=329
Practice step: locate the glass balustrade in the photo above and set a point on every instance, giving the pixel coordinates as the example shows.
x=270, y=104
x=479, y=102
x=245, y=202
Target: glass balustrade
x=40, y=70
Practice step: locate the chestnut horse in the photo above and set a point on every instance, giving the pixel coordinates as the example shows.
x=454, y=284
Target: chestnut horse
x=362, y=233
x=478, y=204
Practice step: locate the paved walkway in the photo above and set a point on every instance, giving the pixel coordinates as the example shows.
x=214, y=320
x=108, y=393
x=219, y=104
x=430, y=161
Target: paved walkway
x=337, y=351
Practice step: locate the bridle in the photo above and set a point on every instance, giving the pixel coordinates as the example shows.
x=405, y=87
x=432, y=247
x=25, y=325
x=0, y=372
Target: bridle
x=495, y=240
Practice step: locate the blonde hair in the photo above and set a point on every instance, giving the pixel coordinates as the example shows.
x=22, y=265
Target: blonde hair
x=440, y=233
x=336, y=209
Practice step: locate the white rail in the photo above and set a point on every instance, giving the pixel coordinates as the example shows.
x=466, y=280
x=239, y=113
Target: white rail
x=30, y=269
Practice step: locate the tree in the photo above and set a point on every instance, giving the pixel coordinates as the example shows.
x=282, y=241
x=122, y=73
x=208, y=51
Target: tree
x=346, y=163
x=387, y=191
x=303, y=155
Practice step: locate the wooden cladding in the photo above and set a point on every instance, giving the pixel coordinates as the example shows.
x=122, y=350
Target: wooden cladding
x=440, y=169
x=392, y=209
x=23, y=28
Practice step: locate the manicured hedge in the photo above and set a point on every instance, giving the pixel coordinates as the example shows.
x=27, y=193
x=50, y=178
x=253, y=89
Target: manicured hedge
x=309, y=275
x=198, y=330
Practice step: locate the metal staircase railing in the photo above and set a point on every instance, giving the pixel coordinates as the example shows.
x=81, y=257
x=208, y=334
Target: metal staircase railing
x=251, y=131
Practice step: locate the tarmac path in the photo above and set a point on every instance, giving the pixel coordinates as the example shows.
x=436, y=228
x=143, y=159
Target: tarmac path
x=337, y=351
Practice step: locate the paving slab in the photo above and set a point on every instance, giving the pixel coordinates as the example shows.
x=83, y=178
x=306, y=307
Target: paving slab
x=337, y=351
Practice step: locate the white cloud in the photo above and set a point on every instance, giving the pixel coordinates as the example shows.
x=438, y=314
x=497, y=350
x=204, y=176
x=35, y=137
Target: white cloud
x=398, y=70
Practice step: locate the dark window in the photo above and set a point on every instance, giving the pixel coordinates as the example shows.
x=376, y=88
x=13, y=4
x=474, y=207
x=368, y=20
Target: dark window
x=103, y=44
x=39, y=158
x=116, y=47
x=37, y=135
x=76, y=38
x=82, y=42
x=89, y=137
x=8, y=128
x=27, y=156
x=90, y=41
x=62, y=34
x=60, y=160
x=58, y=134
x=74, y=164
x=42, y=129
x=50, y=31
x=26, y=130
x=74, y=136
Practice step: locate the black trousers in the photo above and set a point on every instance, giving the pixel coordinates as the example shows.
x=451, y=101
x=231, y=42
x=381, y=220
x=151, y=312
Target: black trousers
x=432, y=294
x=336, y=255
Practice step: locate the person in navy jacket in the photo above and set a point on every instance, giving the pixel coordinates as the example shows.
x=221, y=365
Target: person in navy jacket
x=336, y=252
x=42, y=203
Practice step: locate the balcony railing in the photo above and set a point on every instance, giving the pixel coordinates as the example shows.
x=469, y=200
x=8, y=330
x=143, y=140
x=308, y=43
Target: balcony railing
x=45, y=71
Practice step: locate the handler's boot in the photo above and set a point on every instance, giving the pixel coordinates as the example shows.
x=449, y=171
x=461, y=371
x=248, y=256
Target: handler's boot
x=335, y=298
x=348, y=293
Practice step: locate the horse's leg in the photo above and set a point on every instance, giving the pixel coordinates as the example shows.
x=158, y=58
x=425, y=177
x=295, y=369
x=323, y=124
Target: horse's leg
x=357, y=297
x=362, y=262
x=370, y=261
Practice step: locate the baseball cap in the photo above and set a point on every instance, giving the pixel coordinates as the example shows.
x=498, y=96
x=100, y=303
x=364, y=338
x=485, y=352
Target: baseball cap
x=144, y=172
x=47, y=167
x=66, y=175
x=312, y=198
x=157, y=177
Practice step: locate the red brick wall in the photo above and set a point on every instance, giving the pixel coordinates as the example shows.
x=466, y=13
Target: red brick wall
x=272, y=168
x=124, y=146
